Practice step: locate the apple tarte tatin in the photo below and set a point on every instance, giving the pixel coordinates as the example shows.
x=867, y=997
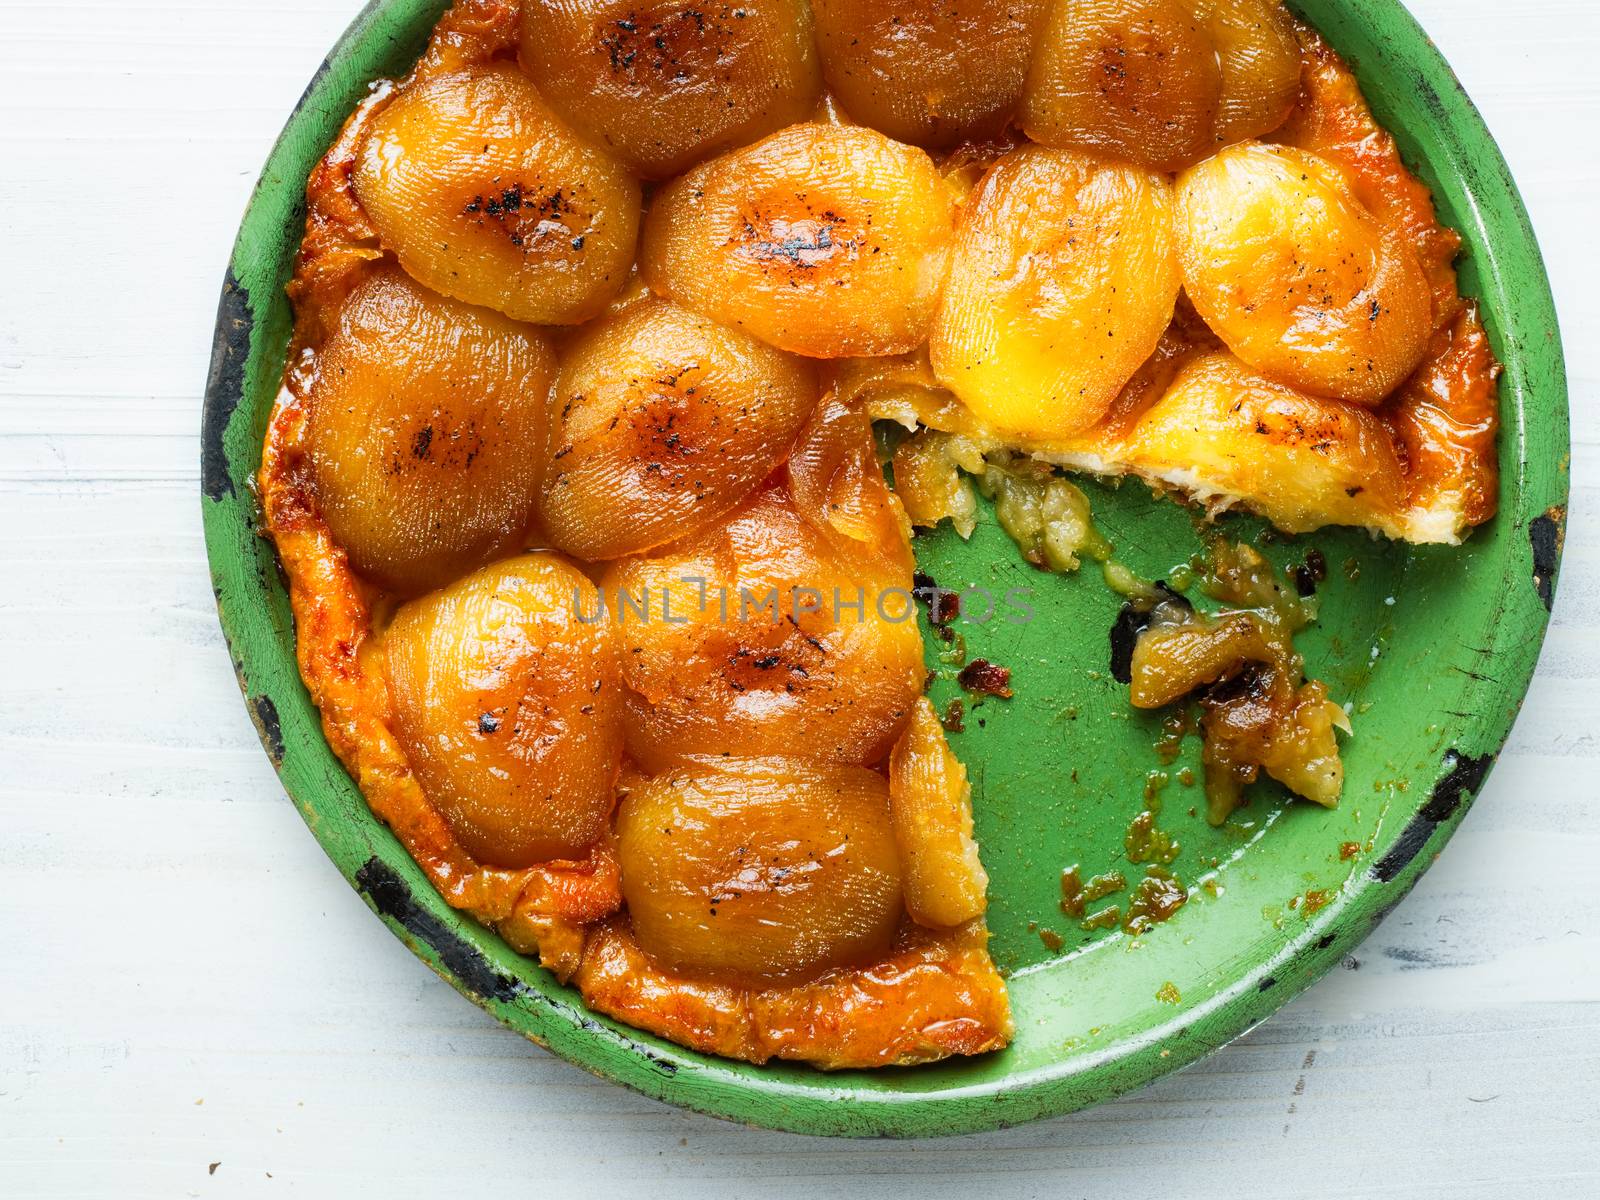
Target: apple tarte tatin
x=598, y=580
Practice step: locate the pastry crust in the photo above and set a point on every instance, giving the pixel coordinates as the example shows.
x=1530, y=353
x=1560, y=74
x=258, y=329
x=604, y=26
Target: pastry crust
x=936, y=995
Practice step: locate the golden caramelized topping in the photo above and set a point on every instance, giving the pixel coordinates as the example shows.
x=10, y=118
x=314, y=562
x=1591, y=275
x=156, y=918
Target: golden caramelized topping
x=692, y=767
x=508, y=704
x=1131, y=79
x=1332, y=120
x=907, y=68
x=1258, y=57
x=760, y=869
x=1446, y=423
x=838, y=487
x=665, y=421
x=484, y=194
x=930, y=805
x=1297, y=277
x=665, y=85
x=1063, y=279
x=824, y=240
x=762, y=638
x=1222, y=431
x=427, y=432
x=1161, y=82
x=1181, y=652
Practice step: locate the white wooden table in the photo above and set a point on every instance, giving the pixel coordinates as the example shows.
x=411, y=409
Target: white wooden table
x=192, y=1001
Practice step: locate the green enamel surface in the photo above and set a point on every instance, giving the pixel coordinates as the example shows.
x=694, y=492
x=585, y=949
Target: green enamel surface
x=1433, y=647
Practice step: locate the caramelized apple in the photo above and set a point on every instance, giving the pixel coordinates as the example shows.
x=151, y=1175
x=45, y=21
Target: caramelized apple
x=508, y=708
x=930, y=805
x=664, y=85
x=1258, y=712
x=1183, y=653
x=1302, y=752
x=931, y=471
x=1297, y=277
x=427, y=432
x=838, y=486
x=760, y=869
x=760, y=638
x=1259, y=58
x=901, y=388
x=825, y=240
x=666, y=421
x=930, y=72
x=1045, y=514
x=1223, y=433
x=1136, y=80
x=1064, y=277
x=484, y=194
x=1445, y=420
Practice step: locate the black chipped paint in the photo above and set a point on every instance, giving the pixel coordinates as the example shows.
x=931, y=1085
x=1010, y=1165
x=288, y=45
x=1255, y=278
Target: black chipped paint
x=665, y=1066
x=1133, y=619
x=265, y=714
x=230, y=351
x=1545, y=534
x=1304, y=965
x=1463, y=777
x=1406, y=847
x=1125, y=631
x=392, y=899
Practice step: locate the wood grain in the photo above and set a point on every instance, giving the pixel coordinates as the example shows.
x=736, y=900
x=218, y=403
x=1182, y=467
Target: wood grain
x=186, y=980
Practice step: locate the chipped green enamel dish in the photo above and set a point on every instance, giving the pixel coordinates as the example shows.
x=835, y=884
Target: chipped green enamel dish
x=1434, y=648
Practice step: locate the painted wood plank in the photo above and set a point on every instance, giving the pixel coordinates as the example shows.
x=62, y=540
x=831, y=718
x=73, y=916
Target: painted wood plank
x=187, y=980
